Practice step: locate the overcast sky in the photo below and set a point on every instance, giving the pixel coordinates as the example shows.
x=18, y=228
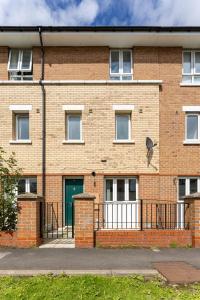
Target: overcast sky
x=100, y=12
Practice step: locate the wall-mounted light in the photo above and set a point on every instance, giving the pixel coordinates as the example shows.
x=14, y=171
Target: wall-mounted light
x=94, y=175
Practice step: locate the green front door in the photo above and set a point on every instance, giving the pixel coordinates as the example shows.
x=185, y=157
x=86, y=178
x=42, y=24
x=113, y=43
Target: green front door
x=72, y=187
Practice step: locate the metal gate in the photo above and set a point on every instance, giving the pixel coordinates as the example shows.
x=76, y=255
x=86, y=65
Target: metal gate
x=54, y=220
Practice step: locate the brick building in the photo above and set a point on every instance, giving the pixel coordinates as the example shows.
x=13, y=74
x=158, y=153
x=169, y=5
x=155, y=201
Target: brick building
x=78, y=104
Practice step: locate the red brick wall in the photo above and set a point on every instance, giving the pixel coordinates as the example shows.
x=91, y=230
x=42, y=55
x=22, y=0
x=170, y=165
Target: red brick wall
x=8, y=239
x=3, y=63
x=146, y=238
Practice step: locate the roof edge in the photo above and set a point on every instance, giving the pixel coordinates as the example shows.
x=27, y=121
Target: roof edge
x=100, y=28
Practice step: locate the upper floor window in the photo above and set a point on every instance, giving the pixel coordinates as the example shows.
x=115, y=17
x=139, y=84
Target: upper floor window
x=121, y=65
x=74, y=127
x=123, y=127
x=191, y=67
x=22, y=127
x=20, y=64
x=192, y=127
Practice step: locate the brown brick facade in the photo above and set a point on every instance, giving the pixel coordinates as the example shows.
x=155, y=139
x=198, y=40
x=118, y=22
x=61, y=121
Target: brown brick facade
x=158, y=114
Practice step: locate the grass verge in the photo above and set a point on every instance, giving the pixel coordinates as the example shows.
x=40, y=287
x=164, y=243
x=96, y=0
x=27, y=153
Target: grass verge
x=92, y=287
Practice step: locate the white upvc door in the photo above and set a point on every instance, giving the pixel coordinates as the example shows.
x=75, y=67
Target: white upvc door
x=121, y=203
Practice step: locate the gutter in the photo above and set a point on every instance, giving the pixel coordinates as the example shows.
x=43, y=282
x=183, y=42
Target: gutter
x=100, y=28
x=43, y=116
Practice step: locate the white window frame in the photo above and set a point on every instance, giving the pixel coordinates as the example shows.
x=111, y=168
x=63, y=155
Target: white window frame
x=12, y=72
x=20, y=59
x=16, y=126
x=126, y=190
x=187, y=186
x=67, y=127
x=193, y=72
x=129, y=126
x=121, y=73
x=27, y=183
x=186, y=120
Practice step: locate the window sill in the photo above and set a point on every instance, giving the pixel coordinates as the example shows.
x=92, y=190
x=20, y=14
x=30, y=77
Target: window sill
x=29, y=142
x=188, y=142
x=123, y=142
x=189, y=84
x=73, y=142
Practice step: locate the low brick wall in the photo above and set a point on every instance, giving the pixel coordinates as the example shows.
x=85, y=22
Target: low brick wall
x=8, y=239
x=146, y=238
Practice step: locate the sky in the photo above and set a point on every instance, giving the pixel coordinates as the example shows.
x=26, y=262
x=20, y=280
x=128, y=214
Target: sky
x=100, y=12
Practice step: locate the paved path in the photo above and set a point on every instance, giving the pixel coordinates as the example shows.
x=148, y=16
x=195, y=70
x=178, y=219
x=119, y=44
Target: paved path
x=178, y=272
x=93, y=259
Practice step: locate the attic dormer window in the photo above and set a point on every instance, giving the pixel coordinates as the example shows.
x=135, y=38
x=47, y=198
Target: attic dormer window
x=20, y=64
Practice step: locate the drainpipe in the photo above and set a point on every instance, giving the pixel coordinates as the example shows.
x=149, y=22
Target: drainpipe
x=43, y=117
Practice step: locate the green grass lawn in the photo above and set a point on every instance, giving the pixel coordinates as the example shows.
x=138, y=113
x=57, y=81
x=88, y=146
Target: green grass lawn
x=92, y=287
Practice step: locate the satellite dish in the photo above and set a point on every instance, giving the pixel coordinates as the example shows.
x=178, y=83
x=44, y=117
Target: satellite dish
x=149, y=143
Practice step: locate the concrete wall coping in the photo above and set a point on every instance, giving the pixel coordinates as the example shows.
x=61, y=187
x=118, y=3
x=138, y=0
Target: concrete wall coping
x=29, y=197
x=195, y=196
x=84, y=196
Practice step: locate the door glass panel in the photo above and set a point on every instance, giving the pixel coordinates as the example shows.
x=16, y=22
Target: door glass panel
x=115, y=62
x=122, y=127
x=187, y=65
x=33, y=185
x=197, y=62
x=126, y=62
x=109, y=190
x=74, y=129
x=22, y=186
x=132, y=189
x=120, y=190
x=182, y=186
x=22, y=127
x=192, y=127
x=193, y=185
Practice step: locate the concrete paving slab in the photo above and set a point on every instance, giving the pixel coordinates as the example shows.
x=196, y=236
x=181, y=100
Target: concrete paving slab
x=178, y=272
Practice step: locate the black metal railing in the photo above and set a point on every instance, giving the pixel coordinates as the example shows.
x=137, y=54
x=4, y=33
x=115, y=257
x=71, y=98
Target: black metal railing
x=141, y=215
x=57, y=220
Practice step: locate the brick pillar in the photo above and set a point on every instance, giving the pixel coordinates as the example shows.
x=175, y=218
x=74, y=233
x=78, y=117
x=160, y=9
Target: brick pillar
x=194, y=217
x=28, y=224
x=84, y=220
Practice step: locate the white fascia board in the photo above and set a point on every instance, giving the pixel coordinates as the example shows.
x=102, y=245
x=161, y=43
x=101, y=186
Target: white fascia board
x=123, y=107
x=22, y=108
x=191, y=108
x=73, y=107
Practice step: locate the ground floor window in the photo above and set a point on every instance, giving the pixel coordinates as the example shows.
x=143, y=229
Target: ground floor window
x=121, y=189
x=187, y=186
x=27, y=185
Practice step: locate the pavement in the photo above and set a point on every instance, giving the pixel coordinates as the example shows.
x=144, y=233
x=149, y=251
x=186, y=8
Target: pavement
x=100, y=261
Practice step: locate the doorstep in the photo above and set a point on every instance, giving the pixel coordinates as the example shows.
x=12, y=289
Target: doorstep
x=58, y=243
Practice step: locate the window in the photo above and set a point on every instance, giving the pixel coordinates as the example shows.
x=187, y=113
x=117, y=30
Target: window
x=74, y=130
x=192, y=127
x=20, y=64
x=188, y=186
x=27, y=185
x=191, y=67
x=22, y=126
x=121, y=189
x=123, y=127
x=121, y=65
